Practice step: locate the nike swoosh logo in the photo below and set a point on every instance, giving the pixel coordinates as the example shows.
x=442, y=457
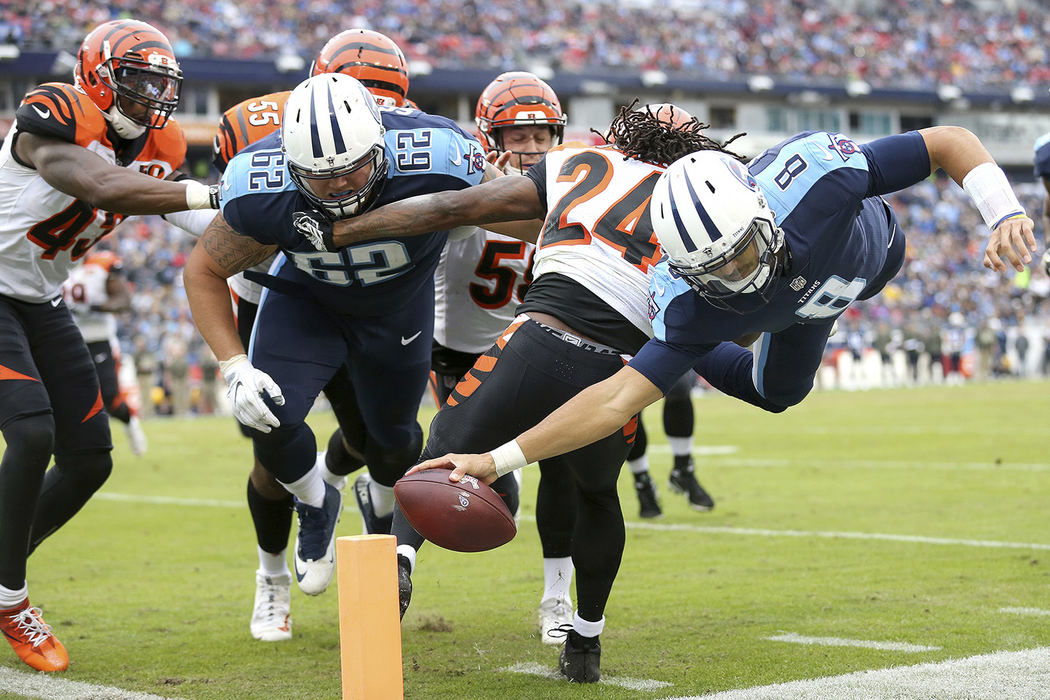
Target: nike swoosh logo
x=56, y=301
x=44, y=113
x=458, y=160
x=409, y=339
x=659, y=289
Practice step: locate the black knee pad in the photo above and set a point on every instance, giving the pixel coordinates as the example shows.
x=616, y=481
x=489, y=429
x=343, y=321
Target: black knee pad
x=388, y=465
x=32, y=437
x=339, y=460
x=507, y=488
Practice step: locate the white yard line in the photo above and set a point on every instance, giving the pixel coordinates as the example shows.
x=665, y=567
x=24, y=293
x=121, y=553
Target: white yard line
x=1003, y=675
x=536, y=669
x=1024, y=611
x=885, y=464
x=29, y=684
x=657, y=527
x=841, y=642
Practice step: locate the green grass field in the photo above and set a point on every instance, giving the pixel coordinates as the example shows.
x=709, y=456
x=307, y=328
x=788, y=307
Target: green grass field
x=907, y=516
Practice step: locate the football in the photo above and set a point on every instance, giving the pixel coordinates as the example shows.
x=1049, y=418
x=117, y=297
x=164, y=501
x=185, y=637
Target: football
x=467, y=516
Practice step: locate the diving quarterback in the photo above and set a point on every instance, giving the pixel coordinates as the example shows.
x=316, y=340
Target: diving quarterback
x=78, y=159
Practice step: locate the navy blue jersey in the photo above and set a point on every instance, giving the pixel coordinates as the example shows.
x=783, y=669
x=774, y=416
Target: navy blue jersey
x=824, y=192
x=427, y=154
x=1042, y=156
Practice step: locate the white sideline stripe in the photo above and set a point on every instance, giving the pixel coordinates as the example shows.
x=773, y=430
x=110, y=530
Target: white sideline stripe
x=841, y=642
x=917, y=539
x=659, y=527
x=698, y=450
x=536, y=669
x=1003, y=675
x=1024, y=611
x=887, y=464
x=42, y=685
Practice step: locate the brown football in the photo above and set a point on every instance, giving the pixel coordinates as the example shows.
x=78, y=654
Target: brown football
x=464, y=516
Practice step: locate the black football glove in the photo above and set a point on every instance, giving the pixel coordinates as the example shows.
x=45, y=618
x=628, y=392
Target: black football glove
x=316, y=229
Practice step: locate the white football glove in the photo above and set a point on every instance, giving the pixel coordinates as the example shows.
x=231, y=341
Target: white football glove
x=1046, y=260
x=245, y=387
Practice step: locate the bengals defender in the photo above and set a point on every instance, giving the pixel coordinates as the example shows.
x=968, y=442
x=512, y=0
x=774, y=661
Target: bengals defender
x=479, y=283
x=78, y=159
x=95, y=292
x=586, y=308
x=378, y=63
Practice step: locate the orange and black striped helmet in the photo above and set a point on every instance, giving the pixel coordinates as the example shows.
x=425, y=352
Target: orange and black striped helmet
x=517, y=98
x=373, y=58
x=133, y=61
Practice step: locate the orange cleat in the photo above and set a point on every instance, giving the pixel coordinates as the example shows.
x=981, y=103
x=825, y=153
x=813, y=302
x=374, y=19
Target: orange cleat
x=32, y=639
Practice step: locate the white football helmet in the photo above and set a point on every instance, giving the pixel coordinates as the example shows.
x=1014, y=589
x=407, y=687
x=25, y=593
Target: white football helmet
x=331, y=130
x=713, y=223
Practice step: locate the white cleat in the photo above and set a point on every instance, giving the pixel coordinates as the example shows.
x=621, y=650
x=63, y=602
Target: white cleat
x=553, y=613
x=315, y=544
x=136, y=436
x=272, y=615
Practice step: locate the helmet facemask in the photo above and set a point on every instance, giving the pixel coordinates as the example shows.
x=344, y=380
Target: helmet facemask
x=144, y=95
x=349, y=202
x=748, y=268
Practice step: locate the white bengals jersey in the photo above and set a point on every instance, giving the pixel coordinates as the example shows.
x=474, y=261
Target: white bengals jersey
x=85, y=288
x=597, y=231
x=44, y=232
x=478, y=284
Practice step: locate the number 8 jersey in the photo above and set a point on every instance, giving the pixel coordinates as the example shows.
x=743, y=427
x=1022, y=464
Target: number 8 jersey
x=597, y=244
x=45, y=232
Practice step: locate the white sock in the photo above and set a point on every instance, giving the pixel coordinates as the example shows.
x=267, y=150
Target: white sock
x=586, y=628
x=557, y=577
x=408, y=551
x=272, y=564
x=640, y=465
x=309, y=489
x=680, y=446
x=382, y=498
x=10, y=598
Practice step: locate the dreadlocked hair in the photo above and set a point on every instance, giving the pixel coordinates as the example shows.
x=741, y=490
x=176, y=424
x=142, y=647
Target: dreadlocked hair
x=639, y=134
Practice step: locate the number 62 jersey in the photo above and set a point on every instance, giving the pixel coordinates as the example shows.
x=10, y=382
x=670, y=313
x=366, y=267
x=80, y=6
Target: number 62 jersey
x=426, y=154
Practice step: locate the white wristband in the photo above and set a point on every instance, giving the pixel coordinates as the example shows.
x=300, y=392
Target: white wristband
x=991, y=192
x=198, y=195
x=508, y=457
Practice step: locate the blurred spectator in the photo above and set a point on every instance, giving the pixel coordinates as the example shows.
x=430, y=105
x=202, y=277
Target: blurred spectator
x=894, y=43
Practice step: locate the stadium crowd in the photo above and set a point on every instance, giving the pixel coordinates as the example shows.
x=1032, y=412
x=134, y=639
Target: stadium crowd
x=942, y=285
x=903, y=43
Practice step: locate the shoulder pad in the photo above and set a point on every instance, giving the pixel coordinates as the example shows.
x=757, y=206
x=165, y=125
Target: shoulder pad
x=167, y=144
x=61, y=111
x=247, y=122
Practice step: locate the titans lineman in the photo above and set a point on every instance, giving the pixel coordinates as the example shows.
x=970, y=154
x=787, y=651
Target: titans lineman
x=370, y=306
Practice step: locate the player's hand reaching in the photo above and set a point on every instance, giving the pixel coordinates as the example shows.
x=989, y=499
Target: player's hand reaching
x=245, y=387
x=480, y=466
x=1014, y=238
x=316, y=229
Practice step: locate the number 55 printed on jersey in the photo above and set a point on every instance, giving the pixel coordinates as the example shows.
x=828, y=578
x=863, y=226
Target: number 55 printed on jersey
x=370, y=263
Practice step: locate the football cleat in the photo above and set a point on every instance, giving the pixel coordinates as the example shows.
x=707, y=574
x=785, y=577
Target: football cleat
x=554, y=614
x=648, y=504
x=136, y=436
x=371, y=524
x=272, y=614
x=581, y=657
x=683, y=480
x=315, y=543
x=32, y=639
x=404, y=583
